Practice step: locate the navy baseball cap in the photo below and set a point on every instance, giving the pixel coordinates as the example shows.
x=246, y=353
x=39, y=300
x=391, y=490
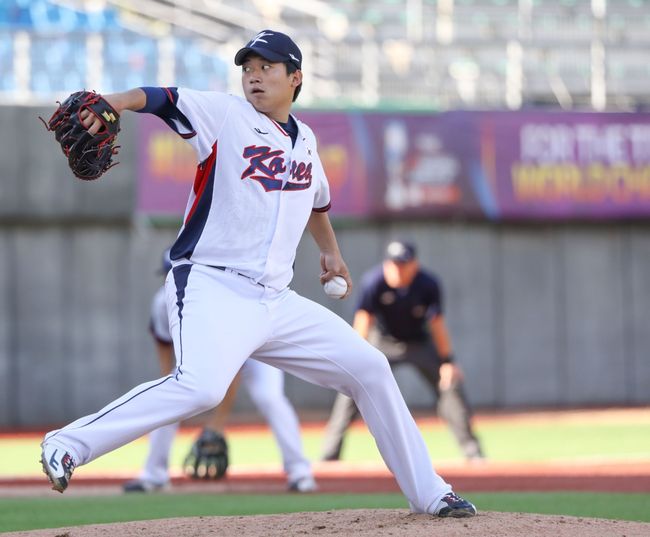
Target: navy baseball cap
x=273, y=46
x=400, y=252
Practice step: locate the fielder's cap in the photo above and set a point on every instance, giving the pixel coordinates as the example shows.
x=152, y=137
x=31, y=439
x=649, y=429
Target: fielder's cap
x=273, y=46
x=166, y=264
x=400, y=252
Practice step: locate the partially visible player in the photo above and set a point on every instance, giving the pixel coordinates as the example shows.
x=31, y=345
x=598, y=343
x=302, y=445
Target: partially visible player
x=209, y=455
x=259, y=184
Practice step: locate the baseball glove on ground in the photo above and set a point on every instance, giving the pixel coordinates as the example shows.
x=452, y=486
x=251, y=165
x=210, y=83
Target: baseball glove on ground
x=208, y=458
x=89, y=156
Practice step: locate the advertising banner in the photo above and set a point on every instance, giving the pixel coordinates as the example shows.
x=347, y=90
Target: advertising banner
x=568, y=165
x=494, y=165
x=425, y=165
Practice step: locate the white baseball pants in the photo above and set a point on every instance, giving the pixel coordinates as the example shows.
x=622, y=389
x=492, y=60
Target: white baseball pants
x=265, y=385
x=156, y=467
x=219, y=319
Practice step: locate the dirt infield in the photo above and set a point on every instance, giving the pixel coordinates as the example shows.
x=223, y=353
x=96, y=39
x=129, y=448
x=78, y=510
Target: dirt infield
x=359, y=523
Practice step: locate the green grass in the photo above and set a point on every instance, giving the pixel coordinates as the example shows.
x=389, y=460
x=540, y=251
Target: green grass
x=542, y=441
x=34, y=513
x=532, y=442
x=620, y=506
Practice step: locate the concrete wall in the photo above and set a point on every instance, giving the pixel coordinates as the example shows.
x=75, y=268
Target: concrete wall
x=540, y=315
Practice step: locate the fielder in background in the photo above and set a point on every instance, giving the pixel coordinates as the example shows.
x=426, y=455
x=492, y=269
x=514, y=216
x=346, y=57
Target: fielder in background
x=208, y=457
x=400, y=312
x=259, y=184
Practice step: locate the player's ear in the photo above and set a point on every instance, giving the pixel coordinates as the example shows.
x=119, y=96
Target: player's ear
x=296, y=79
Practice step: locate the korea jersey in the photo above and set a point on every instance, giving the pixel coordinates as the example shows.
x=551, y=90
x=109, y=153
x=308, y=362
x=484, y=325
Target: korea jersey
x=253, y=192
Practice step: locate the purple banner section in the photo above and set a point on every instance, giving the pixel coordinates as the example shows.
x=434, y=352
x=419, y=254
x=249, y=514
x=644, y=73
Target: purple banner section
x=341, y=140
x=494, y=165
x=423, y=165
x=166, y=168
x=568, y=165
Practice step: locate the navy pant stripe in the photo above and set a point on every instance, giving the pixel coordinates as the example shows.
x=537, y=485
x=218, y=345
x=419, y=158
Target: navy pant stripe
x=116, y=407
x=181, y=274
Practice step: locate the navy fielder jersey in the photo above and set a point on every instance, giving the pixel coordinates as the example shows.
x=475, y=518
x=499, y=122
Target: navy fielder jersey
x=401, y=313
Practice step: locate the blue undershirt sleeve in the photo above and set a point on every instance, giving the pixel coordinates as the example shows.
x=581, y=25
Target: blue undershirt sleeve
x=162, y=102
x=157, y=100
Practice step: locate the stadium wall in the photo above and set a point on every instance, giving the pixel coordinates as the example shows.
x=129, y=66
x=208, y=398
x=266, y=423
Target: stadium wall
x=540, y=314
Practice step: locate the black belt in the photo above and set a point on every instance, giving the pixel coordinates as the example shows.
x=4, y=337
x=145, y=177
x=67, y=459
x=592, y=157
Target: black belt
x=226, y=269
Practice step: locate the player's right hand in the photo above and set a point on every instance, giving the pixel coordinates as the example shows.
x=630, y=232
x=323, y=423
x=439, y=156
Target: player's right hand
x=333, y=265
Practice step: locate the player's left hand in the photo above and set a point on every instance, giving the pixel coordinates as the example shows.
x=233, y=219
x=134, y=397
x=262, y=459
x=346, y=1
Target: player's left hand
x=89, y=153
x=333, y=265
x=450, y=375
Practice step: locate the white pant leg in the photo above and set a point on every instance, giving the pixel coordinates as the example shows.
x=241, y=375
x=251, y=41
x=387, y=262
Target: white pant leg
x=313, y=343
x=156, y=467
x=265, y=385
x=211, y=315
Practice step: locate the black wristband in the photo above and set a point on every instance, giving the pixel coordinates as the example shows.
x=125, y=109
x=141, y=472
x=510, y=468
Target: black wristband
x=447, y=359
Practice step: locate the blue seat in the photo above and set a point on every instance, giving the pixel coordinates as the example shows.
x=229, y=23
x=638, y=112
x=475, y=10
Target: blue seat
x=130, y=61
x=7, y=78
x=198, y=69
x=58, y=65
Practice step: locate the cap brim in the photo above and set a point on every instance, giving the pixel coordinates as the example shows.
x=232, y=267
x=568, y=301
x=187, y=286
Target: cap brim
x=240, y=57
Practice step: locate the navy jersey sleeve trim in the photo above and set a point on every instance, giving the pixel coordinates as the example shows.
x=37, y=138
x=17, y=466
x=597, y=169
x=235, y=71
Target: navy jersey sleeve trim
x=322, y=209
x=157, y=100
x=162, y=103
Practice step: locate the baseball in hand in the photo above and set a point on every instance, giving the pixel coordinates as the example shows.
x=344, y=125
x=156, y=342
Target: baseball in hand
x=336, y=287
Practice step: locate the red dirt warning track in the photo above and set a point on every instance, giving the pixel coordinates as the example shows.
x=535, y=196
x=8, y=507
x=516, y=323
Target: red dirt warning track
x=341, y=477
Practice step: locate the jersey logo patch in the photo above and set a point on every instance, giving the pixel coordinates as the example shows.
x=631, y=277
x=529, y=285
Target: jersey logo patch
x=267, y=166
x=300, y=176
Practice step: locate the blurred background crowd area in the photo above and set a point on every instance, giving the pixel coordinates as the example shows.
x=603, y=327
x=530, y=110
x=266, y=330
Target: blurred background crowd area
x=424, y=54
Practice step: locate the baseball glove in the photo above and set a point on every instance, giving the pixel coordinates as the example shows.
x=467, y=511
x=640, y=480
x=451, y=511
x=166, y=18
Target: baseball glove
x=89, y=156
x=208, y=457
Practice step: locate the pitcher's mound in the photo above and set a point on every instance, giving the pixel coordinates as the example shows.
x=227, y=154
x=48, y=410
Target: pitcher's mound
x=360, y=522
